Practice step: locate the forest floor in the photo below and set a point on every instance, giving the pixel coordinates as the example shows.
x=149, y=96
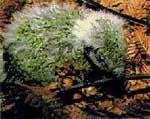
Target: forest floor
x=135, y=102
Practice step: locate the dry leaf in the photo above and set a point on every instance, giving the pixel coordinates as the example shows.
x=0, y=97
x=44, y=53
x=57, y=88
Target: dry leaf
x=8, y=107
x=76, y=96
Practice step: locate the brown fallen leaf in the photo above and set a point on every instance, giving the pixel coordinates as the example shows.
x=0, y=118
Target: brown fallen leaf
x=8, y=107
x=76, y=96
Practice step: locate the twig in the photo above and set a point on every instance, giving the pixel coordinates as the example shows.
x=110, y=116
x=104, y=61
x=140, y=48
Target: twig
x=102, y=81
x=93, y=5
x=137, y=77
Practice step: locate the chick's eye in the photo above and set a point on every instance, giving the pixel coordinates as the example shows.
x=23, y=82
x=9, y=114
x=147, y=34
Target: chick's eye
x=99, y=56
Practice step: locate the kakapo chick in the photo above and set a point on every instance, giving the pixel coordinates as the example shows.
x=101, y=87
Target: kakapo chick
x=42, y=37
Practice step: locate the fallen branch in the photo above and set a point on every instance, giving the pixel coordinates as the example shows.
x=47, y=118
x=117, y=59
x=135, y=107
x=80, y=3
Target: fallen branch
x=96, y=6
